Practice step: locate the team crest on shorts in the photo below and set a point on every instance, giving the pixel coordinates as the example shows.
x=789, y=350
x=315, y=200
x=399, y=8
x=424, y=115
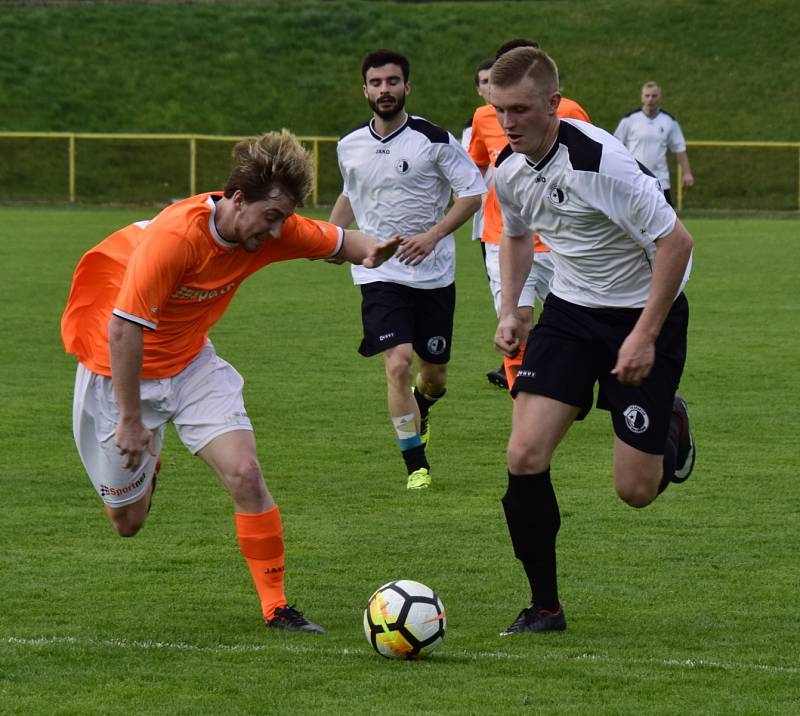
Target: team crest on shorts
x=402, y=166
x=636, y=419
x=437, y=345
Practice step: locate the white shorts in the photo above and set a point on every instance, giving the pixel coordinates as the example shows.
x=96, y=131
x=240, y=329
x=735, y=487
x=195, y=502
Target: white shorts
x=203, y=401
x=537, y=283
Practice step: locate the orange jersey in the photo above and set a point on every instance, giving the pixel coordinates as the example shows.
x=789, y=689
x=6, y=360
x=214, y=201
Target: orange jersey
x=174, y=275
x=486, y=142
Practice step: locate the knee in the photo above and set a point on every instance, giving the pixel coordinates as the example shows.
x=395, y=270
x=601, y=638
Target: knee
x=126, y=524
x=433, y=379
x=246, y=480
x=526, y=457
x=636, y=482
x=398, y=370
x=636, y=494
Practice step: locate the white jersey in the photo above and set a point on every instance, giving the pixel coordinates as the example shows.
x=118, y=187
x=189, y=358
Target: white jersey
x=648, y=139
x=401, y=184
x=595, y=208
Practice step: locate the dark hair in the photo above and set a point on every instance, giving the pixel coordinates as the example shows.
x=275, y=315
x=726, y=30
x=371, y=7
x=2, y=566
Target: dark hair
x=273, y=159
x=379, y=58
x=514, y=44
x=484, y=65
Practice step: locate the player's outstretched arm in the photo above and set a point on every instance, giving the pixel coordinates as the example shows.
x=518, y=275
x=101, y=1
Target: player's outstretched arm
x=414, y=249
x=342, y=215
x=126, y=348
x=359, y=248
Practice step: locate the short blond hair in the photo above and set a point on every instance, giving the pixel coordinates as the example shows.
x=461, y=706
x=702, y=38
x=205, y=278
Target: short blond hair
x=650, y=84
x=273, y=159
x=514, y=65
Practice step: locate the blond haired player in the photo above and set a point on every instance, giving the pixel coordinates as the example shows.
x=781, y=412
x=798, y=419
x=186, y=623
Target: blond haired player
x=139, y=312
x=486, y=142
x=615, y=317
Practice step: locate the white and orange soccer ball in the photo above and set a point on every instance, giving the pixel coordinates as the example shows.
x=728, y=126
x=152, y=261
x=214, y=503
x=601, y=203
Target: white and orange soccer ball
x=404, y=620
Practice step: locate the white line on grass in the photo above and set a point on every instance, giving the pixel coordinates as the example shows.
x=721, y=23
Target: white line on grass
x=124, y=644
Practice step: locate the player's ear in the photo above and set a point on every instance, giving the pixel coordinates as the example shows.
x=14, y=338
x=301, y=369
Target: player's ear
x=553, y=101
x=408, y=88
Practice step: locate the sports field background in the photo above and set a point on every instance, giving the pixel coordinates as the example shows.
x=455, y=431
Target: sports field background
x=688, y=606
x=727, y=70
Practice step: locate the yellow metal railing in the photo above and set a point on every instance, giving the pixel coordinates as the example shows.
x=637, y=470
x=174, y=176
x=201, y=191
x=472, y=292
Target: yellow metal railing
x=192, y=139
x=315, y=141
x=764, y=145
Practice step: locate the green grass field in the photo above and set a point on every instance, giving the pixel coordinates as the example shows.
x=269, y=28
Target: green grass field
x=688, y=606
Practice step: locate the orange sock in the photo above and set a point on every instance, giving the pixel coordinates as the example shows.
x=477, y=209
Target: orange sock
x=261, y=542
x=512, y=366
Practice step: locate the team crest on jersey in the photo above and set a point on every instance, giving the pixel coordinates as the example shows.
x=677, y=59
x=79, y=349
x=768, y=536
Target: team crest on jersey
x=402, y=166
x=557, y=196
x=636, y=419
x=436, y=345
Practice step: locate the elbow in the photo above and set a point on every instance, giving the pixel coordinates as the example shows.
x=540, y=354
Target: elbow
x=119, y=330
x=688, y=242
x=115, y=330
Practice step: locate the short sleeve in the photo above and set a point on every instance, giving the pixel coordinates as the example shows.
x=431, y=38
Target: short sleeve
x=308, y=238
x=458, y=168
x=621, y=132
x=513, y=222
x=675, y=140
x=154, y=270
x=477, y=146
x=632, y=199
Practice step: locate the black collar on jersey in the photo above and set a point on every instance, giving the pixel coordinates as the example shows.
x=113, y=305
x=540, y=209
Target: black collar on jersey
x=585, y=153
x=385, y=139
x=547, y=157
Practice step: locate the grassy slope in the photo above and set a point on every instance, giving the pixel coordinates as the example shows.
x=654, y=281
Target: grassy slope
x=241, y=67
x=244, y=67
x=686, y=607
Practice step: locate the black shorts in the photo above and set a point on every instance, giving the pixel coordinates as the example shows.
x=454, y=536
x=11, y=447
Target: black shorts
x=393, y=314
x=572, y=347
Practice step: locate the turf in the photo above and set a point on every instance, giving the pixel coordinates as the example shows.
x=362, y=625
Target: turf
x=687, y=606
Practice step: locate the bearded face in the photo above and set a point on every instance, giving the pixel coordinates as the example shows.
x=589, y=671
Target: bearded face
x=386, y=90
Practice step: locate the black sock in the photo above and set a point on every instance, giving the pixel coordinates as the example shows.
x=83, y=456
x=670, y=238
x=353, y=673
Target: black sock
x=533, y=522
x=415, y=459
x=426, y=402
x=670, y=452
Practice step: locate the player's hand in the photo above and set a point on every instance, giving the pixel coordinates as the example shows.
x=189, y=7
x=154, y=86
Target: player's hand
x=132, y=438
x=382, y=251
x=507, y=336
x=635, y=359
x=688, y=180
x=414, y=249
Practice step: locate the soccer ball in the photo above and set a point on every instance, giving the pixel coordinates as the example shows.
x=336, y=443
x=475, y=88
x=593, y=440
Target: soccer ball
x=404, y=620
